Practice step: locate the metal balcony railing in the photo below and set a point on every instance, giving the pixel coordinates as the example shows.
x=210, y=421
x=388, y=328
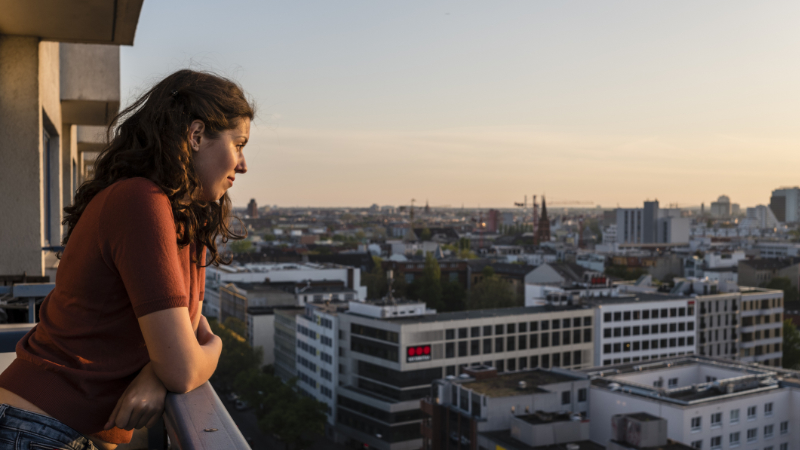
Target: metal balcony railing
x=196, y=420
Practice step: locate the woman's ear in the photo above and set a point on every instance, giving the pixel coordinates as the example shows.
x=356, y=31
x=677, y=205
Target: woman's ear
x=196, y=130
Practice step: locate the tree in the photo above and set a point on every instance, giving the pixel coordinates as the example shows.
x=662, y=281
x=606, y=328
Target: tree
x=425, y=235
x=269, y=237
x=295, y=419
x=237, y=355
x=791, y=345
x=375, y=280
x=784, y=284
x=242, y=246
x=453, y=296
x=430, y=289
x=491, y=292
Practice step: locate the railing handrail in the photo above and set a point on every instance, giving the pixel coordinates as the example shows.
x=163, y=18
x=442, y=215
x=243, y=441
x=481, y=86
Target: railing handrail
x=198, y=420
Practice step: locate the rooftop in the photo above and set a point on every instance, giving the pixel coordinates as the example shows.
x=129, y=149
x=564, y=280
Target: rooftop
x=542, y=418
x=770, y=263
x=503, y=437
x=484, y=313
x=508, y=384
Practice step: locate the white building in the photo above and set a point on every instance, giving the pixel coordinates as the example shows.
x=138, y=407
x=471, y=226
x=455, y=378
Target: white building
x=317, y=353
x=708, y=403
x=287, y=272
x=643, y=327
x=760, y=217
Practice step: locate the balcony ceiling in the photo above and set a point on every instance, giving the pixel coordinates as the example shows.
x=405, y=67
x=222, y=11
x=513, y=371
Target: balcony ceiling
x=82, y=21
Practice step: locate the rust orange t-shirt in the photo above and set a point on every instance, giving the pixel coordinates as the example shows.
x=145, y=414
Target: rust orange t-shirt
x=122, y=262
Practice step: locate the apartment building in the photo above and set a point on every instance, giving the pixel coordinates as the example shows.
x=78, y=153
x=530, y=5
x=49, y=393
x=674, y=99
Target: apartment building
x=482, y=409
x=285, y=349
x=389, y=353
x=316, y=353
x=59, y=73
x=708, y=403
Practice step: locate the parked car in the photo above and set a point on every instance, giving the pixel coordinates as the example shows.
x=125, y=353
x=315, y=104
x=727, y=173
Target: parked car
x=241, y=405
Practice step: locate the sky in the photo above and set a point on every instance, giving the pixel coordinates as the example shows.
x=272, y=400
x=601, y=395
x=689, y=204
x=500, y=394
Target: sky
x=480, y=103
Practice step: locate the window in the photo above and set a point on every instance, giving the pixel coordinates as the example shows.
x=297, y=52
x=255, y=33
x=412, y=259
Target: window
x=462, y=333
x=734, y=416
x=582, y=398
x=534, y=326
x=785, y=446
x=769, y=431
x=566, y=398
x=697, y=422
x=697, y=444
x=607, y=317
x=784, y=427
x=735, y=439
x=752, y=434
x=672, y=382
x=510, y=328
x=716, y=442
x=487, y=330
x=475, y=332
x=768, y=409
x=716, y=420
x=487, y=346
x=498, y=345
x=449, y=334
x=751, y=413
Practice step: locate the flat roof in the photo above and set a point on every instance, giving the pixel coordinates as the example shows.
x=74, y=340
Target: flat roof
x=503, y=437
x=507, y=384
x=637, y=297
x=484, y=313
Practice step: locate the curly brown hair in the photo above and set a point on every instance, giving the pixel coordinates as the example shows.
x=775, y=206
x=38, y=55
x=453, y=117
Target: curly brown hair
x=150, y=139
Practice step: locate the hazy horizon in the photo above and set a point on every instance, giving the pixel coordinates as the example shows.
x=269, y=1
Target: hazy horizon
x=482, y=103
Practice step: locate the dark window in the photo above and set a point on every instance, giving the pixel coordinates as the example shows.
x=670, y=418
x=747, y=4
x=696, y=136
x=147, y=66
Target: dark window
x=487, y=346
x=376, y=349
x=664, y=313
x=636, y=331
x=450, y=350
x=498, y=329
x=565, y=337
x=673, y=342
x=673, y=312
x=587, y=335
x=523, y=327
x=663, y=328
x=636, y=315
x=556, y=324
x=607, y=333
x=397, y=378
x=626, y=331
x=682, y=311
x=510, y=328
x=654, y=313
x=500, y=365
x=673, y=327
x=556, y=359
x=475, y=332
x=645, y=314
x=375, y=333
x=607, y=317
x=690, y=326
x=545, y=340
x=617, y=316
x=645, y=329
x=567, y=358
x=587, y=321
x=626, y=347
x=534, y=326
x=498, y=345
x=475, y=347
x=617, y=332
x=511, y=340
x=534, y=362
x=450, y=334
x=581, y=395
x=512, y=365
x=607, y=348
x=523, y=342
x=546, y=361
x=523, y=363
x=534, y=341
x=556, y=340
x=576, y=336
x=576, y=357
x=462, y=333
x=566, y=398
x=636, y=346
x=617, y=347
x=545, y=325
x=487, y=330
x=565, y=323
x=576, y=322
x=626, y=315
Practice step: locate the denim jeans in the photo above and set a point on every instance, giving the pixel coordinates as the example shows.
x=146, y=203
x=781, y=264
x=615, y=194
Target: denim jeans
x=24, y=430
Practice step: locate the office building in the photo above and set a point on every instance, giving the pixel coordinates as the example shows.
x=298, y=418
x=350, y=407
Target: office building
x=389, y=354
x=785, y=204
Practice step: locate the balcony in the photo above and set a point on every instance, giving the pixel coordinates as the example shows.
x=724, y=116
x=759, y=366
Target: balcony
x=195, y=420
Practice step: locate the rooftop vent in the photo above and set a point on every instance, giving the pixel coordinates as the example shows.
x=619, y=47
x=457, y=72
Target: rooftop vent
x=522, y=385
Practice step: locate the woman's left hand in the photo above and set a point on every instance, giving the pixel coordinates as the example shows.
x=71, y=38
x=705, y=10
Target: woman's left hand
x=142, y=403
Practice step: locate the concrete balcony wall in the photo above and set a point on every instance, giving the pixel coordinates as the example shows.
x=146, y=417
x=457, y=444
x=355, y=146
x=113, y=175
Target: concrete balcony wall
x=90, y=83
x=90, y=142
x=29, y=89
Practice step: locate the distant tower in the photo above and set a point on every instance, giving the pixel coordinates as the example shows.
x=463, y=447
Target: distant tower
x=252, y=209
x=543, y=231
x=427, y=208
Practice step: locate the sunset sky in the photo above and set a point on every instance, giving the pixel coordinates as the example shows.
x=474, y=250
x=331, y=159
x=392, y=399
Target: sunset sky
x=480, y=103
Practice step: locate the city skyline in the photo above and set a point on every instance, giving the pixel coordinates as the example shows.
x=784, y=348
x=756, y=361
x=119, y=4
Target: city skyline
x=479, y=104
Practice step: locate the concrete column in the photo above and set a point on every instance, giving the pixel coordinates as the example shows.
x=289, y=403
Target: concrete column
x=20, y=145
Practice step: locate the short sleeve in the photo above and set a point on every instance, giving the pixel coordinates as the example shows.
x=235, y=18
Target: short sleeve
x=138, y=237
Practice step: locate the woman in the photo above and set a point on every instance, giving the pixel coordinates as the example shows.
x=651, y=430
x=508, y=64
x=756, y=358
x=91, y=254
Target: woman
x=123, y=324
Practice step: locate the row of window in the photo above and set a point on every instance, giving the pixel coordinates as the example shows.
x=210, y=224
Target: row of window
x=307, y=380
x=735, y=439
x=306, y=348
x=663, y=313
x=326, y=341
x=752, y=414
x=326, y=375
x=306, y=331
x=326, y=391
x=543, y=361
x=708, y=305
x=326, y=358
x=764, y=304
x=767, y=334
x=521, y=327
x=306, y=363
x=325, y=322
x=756, y=320
x=648, y=329
x=520, y=342
x=620, y=347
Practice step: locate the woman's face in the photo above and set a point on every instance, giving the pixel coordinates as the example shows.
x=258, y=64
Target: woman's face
x=217, y=161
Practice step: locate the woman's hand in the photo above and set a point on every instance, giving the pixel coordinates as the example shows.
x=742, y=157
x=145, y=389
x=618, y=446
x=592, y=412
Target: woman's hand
x=142, y=403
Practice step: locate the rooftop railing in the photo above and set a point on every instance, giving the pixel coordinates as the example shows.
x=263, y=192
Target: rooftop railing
x=196, y=420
